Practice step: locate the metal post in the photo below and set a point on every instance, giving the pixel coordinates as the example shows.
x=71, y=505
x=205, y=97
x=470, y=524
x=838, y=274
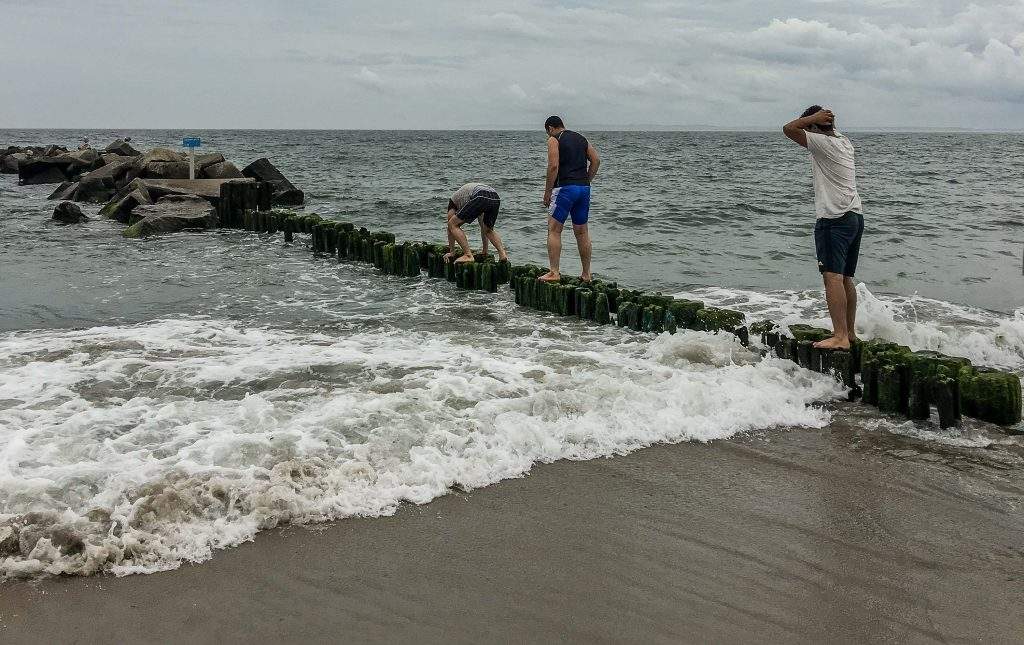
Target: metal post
x=191, y=163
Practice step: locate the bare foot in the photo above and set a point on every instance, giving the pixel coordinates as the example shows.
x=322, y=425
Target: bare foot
x=465, y=259
x=586, y=278
x=550, y=276
x=503, y=258
x=833, y=343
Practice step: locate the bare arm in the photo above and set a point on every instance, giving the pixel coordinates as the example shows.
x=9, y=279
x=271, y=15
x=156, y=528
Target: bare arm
x=483, y=235
x=795, y=128
x=549, y=185
x=448, y=230
x=595, y=162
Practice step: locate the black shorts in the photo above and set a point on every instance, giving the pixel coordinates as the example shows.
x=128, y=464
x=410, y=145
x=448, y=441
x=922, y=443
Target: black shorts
x=483, y=204
x=837, y=242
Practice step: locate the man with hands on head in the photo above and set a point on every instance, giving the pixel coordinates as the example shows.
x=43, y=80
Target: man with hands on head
x=572, y=165
x=840, y=218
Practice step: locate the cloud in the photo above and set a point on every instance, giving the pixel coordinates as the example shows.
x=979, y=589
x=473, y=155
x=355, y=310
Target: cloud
x=508, y=63
x=369, y=78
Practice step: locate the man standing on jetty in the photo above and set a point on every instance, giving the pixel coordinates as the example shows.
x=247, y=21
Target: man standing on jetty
x=471, y=202
x=572, y=165
x=840, y=219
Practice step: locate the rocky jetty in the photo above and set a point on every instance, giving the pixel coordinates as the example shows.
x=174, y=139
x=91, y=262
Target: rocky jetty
x=122, y=179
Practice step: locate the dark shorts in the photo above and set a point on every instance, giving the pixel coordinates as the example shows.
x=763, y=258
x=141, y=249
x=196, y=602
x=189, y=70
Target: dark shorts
x=484, y=204
x=837, y=242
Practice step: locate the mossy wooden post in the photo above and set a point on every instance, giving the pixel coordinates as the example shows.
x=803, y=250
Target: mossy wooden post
x=289, y=230
x=685, y=312
x=636, y=318
x=224, y=204
x=890, y=385
x=622, y=315
x=264, y=193
x=488, y=278
x=714, y=319
x=478, y=275
x=869, y=379
x=946, y=393
x=803, y=354
x=602, y=309
x=314, y=236
x=587, y=300
x=670, y=323
x=842, y=366
x=503, y=271
x=990, y=395
x=545, y=296
x=413, y=266
x=791, y=350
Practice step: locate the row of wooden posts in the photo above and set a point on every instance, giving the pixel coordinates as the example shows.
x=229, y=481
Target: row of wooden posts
x=892, y=377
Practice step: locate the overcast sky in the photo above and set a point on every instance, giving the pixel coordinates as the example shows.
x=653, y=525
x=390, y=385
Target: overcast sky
x=448, y=64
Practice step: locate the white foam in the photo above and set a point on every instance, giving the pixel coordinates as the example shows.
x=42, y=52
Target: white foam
x=986, y=338
x=138, y=447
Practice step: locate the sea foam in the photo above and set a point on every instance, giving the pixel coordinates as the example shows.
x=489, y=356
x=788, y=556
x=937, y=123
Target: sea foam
x=987, y=338
x=130, y=449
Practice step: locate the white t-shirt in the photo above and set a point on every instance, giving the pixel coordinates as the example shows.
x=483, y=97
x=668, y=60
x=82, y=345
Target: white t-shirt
x=835, y=175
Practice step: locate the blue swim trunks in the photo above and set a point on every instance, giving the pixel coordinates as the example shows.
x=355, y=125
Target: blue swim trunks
x=570, y=201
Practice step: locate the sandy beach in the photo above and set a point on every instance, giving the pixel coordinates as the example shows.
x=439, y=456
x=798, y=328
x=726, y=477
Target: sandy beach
x=839, y=535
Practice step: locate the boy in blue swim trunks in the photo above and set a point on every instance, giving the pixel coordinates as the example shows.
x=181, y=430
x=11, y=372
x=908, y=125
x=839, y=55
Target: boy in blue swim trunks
x=572, y=165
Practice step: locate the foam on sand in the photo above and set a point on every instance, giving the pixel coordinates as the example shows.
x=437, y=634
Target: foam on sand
x=130, y=449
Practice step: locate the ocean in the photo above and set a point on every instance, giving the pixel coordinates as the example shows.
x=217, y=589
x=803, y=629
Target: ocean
x=164, y=398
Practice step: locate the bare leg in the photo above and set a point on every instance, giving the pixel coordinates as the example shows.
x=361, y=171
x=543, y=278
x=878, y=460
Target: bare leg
x=554, y=251
x=586, y=249
x=835, y=295
x=492, y=235
x=851, y=308
x=451, y=238
x=483, y=236
x=455, y=230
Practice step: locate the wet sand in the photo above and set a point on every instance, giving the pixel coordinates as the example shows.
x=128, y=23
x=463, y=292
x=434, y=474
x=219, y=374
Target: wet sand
x=841, y=535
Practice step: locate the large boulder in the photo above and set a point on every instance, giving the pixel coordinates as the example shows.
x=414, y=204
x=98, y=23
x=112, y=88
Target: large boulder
x=122, y=148
x=202, y=161
x=65, y=191
x=222, y=170
x=160, y=154
x=32, y=172
x=47, y=169
x=171, y=214
x=125, y=200
x=285, y=193
x=9, y=164
x=165, y=170
x=69, y=213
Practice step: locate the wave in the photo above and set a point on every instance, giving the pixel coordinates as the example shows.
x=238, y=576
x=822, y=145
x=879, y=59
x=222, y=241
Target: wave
x=985, y=337
x=130, y=449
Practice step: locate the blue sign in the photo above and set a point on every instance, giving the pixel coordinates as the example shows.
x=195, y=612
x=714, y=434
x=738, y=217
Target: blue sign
x=190, y=142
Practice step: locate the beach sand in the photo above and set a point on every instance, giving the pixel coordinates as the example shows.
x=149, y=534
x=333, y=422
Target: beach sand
x=843, y=534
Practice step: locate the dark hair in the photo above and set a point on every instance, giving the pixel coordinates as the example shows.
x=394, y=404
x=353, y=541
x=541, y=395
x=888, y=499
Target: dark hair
x=554, y=122
x=814, y=109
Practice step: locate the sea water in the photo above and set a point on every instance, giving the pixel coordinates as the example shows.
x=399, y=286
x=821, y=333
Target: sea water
x=164, y=398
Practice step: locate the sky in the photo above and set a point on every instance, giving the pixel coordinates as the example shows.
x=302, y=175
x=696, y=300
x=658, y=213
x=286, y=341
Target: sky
x=438, y=64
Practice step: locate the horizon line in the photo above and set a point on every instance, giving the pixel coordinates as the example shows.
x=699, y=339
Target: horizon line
x=641, y=127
